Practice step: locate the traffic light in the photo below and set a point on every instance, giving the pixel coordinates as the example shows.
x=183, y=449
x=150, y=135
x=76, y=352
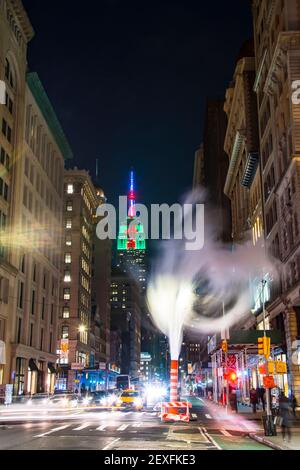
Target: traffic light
x=260, y=342
x=264, y=346
x=224, y=346
x=231, y=376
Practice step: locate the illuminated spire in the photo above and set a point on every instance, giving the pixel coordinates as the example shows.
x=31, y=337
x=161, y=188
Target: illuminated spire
x=131, y=196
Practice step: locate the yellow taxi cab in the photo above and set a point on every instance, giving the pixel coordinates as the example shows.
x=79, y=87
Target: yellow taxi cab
x=130, y=399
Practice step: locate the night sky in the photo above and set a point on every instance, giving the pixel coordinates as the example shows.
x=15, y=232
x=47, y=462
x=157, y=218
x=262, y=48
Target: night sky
x=129, y=80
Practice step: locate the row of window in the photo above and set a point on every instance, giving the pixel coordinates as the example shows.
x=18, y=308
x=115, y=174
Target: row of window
x=44, y=150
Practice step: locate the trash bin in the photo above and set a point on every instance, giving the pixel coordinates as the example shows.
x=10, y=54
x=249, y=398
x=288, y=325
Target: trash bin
x=269, y=425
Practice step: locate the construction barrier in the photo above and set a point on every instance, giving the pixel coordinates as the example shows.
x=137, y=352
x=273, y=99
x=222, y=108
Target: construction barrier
x=175, y=411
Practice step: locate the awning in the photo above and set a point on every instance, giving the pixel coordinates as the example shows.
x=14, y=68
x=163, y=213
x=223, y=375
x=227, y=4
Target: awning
x=51, y=368
x=32, y=366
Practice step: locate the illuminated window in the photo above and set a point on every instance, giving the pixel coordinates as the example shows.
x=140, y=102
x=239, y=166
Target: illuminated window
x=66, y=312
x=68, y=258
x=67, y=294
x=70, y=189
x=68, y=241
x=67, y=276
x=65, y=332
x=69, y=223
x=69, y=206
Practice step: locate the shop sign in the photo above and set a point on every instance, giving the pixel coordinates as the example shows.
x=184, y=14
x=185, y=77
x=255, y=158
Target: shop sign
x=212, y=344
x=281, y=367
x=269, y=381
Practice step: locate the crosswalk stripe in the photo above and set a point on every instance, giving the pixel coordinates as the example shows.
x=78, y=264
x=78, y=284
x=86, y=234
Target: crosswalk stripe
x=102, y=428
x=208, y=416
x=82, y=426
x=137, y=425
x=226, y=433
x=52, y=431
x=123, y=427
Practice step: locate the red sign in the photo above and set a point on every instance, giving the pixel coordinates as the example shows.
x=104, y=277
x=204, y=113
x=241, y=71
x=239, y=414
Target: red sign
x=269, y=381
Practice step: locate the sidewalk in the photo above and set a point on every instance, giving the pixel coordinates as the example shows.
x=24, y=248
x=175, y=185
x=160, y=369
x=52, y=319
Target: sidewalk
x=277, y=442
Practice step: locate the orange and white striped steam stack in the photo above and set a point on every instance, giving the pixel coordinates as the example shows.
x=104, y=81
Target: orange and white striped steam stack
x=174, y=381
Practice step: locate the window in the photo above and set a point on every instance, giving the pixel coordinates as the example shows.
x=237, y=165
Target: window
x=32, y=302
x=6, y=130
x=19, y=330
x=69, y=223
x=21, y=294
x=67, y=276
x=66, y=312
x=69, y=240
x=67, y=294
x=68, y=258
x=42, y=339
x=9, y=103
x=69, y=206
x=43, y=308
x=70, y=189
x=31, y=335
x=9, y=73
x=52, y=313
x=65, y=332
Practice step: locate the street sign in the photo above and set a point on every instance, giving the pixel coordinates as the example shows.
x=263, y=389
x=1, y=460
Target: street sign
x=269, y=381
x=77, y=366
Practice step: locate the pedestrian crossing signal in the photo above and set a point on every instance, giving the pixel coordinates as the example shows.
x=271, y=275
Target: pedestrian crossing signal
x=224, y=346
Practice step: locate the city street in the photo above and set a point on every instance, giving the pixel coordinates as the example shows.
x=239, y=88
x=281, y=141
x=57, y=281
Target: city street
x=117, y=430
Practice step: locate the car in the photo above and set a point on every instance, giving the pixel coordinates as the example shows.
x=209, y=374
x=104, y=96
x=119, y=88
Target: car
x=130, y=399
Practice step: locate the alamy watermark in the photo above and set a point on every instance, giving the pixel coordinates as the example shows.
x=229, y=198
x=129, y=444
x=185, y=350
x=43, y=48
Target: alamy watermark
x=188, y=222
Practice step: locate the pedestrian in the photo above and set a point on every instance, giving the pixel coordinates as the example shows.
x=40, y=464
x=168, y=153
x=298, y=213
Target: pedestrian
x=294, y=404
x=253, y=399
x=261, y=396
x=233, y=400
x=285, y=416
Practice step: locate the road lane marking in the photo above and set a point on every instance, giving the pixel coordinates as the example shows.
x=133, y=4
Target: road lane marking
x=226, y=433
x=102, y=428
x=208, y=417
x=82, y=426
x=137, y=425
x=123, y=427
x=110, y=444
x=53, y=430
x=204, y=435
x=211, y=439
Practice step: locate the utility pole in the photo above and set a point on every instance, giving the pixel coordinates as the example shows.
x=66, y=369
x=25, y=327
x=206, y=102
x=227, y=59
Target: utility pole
x=226, y=361
x=270, y=427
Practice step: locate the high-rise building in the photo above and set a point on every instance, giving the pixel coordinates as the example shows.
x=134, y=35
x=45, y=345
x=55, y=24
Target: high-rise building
x=101, y=280
x=126, y=313
x=33, y=149
x=215, y=165
x=277, y=52
x=15, y=33
x=243, y=183
x=84, y=315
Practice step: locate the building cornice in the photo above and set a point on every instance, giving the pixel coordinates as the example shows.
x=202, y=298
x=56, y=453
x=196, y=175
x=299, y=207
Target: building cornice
x=20, y=12
x=287, y=40
x=43, y=102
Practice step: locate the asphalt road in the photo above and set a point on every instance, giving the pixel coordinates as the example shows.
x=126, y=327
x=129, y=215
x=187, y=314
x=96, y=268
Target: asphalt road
x=118, y=430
